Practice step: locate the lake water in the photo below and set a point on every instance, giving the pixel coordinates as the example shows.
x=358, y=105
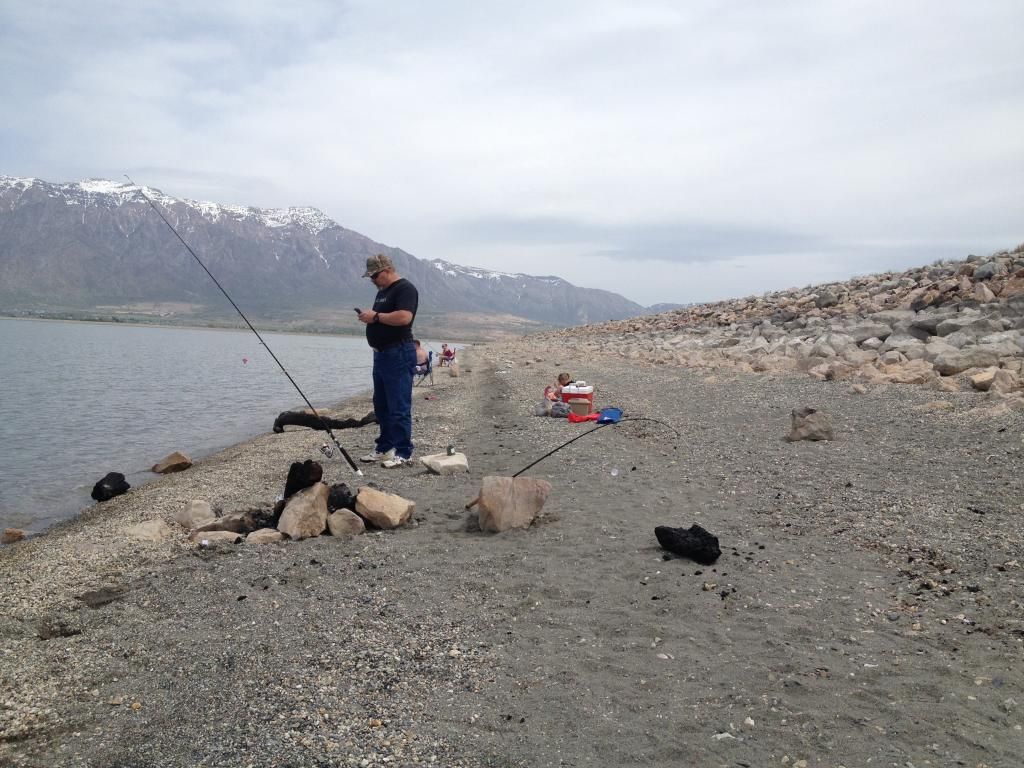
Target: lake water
x=78, y=400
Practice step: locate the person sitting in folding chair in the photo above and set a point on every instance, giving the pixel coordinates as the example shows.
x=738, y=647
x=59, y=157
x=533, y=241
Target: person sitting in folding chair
x=424, y=365
x=447, y=355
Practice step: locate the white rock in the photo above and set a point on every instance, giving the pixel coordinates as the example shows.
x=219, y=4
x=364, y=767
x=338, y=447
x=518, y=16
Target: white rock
x=195, y=513
x=151, y=530
x=443, y=464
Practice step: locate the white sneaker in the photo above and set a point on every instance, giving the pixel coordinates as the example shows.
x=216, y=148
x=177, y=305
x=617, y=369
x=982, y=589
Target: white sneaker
x=373, y=457
x=395, y=461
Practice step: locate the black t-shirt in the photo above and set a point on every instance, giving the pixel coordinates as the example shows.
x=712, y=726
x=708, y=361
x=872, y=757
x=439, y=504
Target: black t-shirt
x=401, y=294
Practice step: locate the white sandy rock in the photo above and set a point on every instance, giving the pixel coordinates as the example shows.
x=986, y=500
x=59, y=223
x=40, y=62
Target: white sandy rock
x=383, y=510
x=983, y=380
x=305, y=514
x=345, y=522
x=207, y=538
x=1005, y=382
x=506, y=503
x=264, y=536
x=911, y=372
x=151, y=530
x=443, y=464
x=195, y=513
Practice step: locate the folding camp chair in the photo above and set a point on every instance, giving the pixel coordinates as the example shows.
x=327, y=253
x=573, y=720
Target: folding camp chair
x=425, y=371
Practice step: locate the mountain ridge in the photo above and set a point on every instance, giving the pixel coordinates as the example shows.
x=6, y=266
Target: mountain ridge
x=96, y=245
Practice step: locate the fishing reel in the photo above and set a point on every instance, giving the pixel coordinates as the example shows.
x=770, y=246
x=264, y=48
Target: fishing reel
x=327, y=450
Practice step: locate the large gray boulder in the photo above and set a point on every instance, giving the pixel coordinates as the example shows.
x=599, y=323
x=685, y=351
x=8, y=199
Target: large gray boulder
x=901, y=342
x=988, y=270
x=929, y=321
x=951, y=363
x=864, y=331
x=963, y=322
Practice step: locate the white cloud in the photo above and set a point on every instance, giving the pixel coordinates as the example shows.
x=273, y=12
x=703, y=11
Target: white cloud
x=840, y=128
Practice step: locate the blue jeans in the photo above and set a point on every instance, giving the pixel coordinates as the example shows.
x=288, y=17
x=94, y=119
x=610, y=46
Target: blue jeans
x=392, y=397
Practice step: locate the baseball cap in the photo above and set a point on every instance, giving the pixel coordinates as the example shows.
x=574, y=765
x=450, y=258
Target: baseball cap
x=378, y=263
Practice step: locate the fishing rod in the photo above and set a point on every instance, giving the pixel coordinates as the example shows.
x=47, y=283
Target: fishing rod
x=323, y=423
x=590, y=432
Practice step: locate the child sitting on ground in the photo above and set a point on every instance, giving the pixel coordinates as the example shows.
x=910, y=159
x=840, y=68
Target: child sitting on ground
x=554, y=393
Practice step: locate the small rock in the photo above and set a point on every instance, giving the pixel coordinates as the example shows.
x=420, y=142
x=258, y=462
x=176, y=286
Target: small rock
x=172, y=462
x=113, y=484
x=264, y=536
x=446, y=463
x=383, y=510
x=345, y=522
x=211, y=538
x=12, y=535
x=810, y=424
x=151, y=530
x=195, y=513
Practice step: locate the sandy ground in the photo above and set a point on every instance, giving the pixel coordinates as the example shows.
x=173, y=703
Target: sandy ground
x=866, y=610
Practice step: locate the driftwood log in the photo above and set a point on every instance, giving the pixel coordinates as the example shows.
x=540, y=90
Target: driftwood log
x=307, y=419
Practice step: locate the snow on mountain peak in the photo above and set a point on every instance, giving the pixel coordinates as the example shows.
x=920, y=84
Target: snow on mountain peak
x=455, y=270
x=90, y=191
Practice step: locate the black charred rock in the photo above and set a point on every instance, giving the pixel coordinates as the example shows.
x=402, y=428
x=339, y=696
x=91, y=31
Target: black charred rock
x=693, y=542
x=307, y=419
x=340, y=497
x=110, y=486
x=302, y=475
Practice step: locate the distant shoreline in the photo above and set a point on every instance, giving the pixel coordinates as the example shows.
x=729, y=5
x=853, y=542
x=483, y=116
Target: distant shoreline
x=144, y=324
x=243, y=329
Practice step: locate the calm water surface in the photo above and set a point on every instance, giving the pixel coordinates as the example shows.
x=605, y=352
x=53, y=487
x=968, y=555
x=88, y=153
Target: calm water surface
x=78, y=400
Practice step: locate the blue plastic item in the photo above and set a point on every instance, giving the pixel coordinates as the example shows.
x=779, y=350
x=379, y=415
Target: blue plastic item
x=609, y=416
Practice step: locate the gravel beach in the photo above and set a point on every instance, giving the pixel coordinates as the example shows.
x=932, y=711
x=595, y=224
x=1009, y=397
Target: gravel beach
x=866, y=609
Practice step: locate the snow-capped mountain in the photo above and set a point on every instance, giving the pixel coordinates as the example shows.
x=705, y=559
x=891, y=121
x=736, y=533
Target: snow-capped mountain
x=99, y=243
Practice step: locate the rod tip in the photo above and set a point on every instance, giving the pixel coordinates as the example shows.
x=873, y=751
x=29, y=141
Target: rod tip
x=359, y=473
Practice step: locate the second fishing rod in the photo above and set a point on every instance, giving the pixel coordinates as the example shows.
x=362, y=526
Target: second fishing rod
x=241, y=314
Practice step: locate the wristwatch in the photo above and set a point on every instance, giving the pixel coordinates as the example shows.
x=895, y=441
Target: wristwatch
x=376, y=317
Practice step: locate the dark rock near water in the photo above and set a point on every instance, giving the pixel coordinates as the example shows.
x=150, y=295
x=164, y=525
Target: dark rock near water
x=110, y=486
x=694, y=542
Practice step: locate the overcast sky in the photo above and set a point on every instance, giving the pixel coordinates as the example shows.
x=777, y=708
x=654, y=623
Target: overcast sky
x=667, y=151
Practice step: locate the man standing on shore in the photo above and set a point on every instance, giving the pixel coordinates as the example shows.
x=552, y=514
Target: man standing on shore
x=389, y=334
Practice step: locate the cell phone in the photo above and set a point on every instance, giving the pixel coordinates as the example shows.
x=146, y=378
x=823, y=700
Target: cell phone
x=358, y=310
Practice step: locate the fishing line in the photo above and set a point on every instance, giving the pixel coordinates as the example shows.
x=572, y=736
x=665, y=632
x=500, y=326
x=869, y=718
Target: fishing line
x=590, y=432
x=323, y=423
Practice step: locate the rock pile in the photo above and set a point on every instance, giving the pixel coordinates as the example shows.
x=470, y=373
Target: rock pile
x=308, y=508
x=954, y=325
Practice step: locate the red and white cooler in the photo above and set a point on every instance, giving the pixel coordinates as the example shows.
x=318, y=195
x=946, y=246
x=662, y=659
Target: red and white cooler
x=578, y=390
